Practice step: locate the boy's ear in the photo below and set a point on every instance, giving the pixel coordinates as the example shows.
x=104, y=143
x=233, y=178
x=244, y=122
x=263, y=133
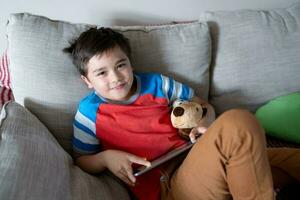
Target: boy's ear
x=86, y=81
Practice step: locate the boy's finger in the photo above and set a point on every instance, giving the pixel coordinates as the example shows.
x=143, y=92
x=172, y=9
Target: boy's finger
x=194, y=132
x=123, y=176
x=192, y=138
x=202, y=129
x=138, y=160
x=129, y=174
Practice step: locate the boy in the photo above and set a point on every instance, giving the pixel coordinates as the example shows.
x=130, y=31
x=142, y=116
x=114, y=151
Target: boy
x=125, y=122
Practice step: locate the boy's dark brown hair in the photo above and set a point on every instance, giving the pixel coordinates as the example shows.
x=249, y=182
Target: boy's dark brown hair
x=95, y=41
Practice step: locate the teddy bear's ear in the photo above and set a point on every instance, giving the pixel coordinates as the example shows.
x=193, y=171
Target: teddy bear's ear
x=177, y=102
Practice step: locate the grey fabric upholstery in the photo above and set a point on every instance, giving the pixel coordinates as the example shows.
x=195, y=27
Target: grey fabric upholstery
x=34, y=166
x=255, y=56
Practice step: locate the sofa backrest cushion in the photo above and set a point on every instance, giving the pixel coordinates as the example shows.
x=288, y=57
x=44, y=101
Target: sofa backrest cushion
x=255, y=56
x=45, y=81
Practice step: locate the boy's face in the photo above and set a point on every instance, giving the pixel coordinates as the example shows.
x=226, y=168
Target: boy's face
x=110, y=75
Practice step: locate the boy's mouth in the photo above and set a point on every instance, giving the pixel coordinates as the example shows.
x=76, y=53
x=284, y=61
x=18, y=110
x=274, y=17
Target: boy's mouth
x=120, y=86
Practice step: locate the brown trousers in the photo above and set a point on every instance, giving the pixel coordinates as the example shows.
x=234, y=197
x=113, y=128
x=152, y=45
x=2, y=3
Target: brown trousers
x=231, y=161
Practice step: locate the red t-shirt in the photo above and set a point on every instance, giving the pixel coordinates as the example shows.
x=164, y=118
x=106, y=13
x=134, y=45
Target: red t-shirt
x=141, y=126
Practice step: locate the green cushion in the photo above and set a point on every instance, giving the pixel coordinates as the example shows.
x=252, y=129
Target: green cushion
x=281, y=117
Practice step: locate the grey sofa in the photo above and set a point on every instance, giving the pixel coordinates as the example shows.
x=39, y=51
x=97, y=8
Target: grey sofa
x=240, y=58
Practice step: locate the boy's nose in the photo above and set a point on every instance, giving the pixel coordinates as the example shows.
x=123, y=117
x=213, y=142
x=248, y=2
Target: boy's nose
x=116, y=76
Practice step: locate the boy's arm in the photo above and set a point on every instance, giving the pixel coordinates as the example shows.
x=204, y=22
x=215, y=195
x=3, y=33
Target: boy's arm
x=118, y=162
x=91, y=160
x=93, y=163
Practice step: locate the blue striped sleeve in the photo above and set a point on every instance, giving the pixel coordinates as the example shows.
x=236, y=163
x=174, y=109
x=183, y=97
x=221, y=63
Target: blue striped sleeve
x=84, y=135
x=175, y=90
x=187, y=93
x=84, y=139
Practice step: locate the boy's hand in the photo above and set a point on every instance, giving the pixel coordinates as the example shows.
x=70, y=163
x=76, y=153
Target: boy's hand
x=119, y=163
x=196, y=132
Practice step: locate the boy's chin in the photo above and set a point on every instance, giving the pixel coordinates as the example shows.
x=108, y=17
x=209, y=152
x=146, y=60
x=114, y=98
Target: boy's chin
x=119, y=98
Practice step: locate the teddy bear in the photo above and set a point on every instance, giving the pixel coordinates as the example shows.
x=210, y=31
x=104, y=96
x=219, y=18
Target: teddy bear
x=191, y=118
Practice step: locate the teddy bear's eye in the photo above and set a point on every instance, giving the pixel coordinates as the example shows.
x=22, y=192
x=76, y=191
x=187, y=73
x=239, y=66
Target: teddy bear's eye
x=197, y=109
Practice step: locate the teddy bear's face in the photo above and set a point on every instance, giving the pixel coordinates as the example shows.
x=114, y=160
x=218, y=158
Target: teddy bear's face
x=186, y=114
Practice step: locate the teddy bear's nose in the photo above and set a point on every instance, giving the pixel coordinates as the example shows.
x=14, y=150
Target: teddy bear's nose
x=178, y=111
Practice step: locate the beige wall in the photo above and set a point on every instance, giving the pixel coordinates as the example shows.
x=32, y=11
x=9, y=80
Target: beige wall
x=125, y=12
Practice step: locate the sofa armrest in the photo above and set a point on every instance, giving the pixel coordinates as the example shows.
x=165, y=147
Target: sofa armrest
x=34, y=166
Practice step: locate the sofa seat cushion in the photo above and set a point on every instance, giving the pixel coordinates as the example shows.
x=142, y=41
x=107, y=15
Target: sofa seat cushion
x=46, y=82
x=34, y=166
x=255, y=56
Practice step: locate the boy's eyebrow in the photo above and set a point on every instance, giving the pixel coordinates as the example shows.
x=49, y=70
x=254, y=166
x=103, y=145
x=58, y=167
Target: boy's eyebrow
x=98, y=69
x=121, y=60
x=101, y=68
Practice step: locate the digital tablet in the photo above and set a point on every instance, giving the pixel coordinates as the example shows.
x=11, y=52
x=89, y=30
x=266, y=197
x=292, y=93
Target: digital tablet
x=162, y=159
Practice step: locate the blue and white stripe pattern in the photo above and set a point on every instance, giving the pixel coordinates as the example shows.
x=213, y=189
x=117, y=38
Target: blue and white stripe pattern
x=174, y=90
x=84, y=135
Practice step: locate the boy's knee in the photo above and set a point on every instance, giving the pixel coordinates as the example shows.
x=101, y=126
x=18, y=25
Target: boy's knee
x=233, y=113
x=238, y=129
x=237, y=120
x=238, y=117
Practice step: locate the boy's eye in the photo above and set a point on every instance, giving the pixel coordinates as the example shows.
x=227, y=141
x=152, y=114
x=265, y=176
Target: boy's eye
x=121, y=65
x=101, y=73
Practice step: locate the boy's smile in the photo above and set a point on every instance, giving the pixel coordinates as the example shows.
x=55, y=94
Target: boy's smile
x=110, y=75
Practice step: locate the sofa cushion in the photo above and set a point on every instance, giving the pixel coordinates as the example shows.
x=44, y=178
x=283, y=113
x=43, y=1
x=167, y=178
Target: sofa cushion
x=45, y=81
x=280, y=117
x=34, y=166
x=255, y=56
